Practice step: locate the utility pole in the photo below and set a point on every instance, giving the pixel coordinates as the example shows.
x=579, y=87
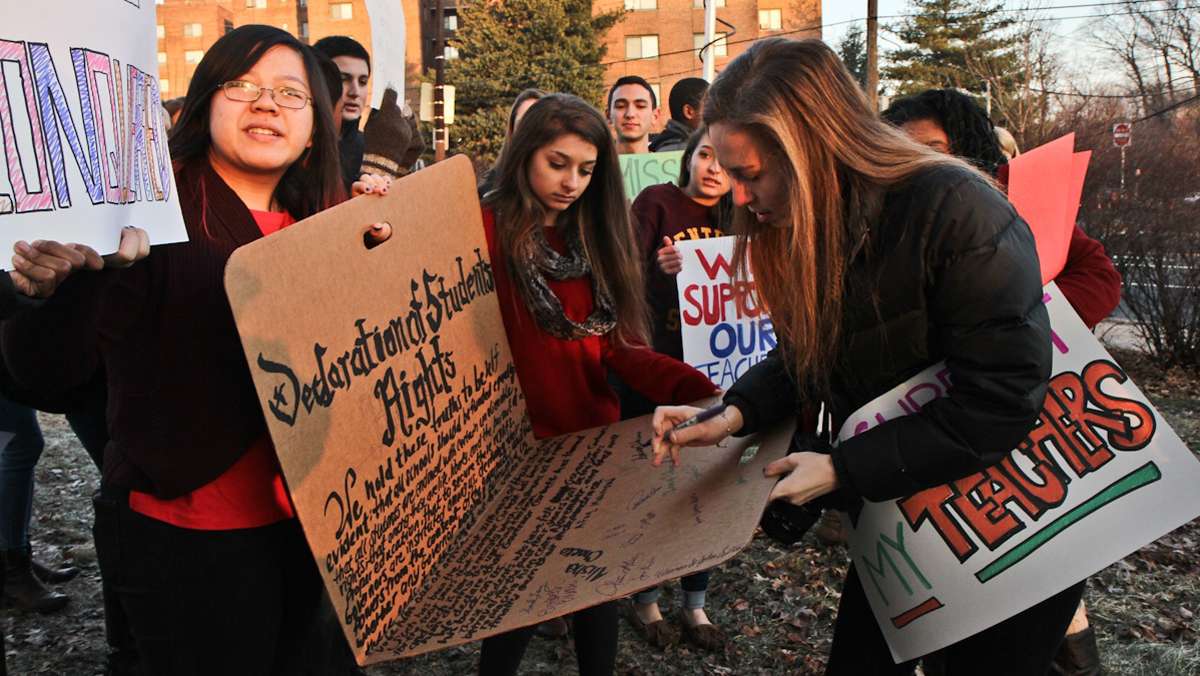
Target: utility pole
x=710, y=33
x=439, y=98
x=873, y=53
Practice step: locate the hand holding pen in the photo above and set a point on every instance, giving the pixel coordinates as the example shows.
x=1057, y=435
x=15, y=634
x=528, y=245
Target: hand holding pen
x=679, y=426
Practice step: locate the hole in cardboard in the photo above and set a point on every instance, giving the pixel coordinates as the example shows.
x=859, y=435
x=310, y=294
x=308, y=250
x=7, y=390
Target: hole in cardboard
x=373, y=237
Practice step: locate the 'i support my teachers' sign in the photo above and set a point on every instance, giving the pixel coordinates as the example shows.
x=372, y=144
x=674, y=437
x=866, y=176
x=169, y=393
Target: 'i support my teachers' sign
x=1072, y=498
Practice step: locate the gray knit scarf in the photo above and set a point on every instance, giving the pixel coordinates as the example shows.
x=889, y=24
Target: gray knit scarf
x=542, y=262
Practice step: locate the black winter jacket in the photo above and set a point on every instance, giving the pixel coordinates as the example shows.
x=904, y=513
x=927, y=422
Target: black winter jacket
x=954, y=275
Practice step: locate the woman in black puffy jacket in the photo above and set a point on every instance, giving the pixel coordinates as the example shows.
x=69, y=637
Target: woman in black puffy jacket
x=877, y=258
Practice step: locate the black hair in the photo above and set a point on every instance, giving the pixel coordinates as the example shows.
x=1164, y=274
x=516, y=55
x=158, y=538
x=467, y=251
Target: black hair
x=631, y=80
x=687, y=92
x=311, y=183
x=333, y=78
x=722, y=212
x=971, y=133
x=334, y=46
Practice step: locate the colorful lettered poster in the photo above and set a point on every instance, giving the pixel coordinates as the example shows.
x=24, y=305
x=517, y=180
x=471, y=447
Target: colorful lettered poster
x=725, y=330
x=641, y=170
x=1100, y=475
x=1045, y=186
x=434, y=515
x=84, y=144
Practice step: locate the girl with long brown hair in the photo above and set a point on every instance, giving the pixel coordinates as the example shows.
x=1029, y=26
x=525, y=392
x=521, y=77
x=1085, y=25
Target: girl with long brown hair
x=569, y=281
x=877, y=258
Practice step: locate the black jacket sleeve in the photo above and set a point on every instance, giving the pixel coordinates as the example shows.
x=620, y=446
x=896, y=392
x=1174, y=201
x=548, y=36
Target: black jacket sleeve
x=765, y=394
x=986, y=314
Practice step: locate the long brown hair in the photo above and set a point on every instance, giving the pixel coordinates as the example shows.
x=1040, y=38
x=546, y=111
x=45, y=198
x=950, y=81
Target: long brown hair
x=600, y=215
x=796, y=98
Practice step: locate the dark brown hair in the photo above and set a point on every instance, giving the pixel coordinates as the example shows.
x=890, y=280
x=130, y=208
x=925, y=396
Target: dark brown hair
x=600, y=215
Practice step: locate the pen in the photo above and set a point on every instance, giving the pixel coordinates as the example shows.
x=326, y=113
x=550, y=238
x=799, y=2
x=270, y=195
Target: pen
x=702, y=416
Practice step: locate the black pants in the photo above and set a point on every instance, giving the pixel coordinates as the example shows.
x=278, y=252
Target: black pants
x=1024, y=644
x=209, y=602
x=595, y=644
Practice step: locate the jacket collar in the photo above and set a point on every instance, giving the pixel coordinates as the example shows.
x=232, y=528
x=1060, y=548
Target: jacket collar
x=210, y=206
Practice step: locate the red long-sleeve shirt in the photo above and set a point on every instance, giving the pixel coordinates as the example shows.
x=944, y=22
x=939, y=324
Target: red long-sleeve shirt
x=564, y=381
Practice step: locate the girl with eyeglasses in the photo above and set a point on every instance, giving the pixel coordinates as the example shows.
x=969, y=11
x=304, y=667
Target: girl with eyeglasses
x=569, y=281
x=194, y=526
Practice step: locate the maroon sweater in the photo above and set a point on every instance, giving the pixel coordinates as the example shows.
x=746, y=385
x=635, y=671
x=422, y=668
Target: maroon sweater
x=666, y=211
x=181, y=404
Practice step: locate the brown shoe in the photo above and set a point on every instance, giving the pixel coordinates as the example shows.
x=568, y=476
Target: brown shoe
x=703, y=636
x=1078, y=655
x=830, y=529
x=659, y=634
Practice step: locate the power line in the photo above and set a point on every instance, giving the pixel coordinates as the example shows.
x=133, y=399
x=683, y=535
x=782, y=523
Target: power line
x=1169, y=108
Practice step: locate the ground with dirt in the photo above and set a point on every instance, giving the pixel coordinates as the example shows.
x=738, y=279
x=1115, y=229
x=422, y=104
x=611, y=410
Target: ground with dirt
x=776, y=604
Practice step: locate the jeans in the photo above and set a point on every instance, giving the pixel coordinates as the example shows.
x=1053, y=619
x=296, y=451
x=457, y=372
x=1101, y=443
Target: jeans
x=1023, y=644
x=18, y=457
x=695, y=589
x=232, y=602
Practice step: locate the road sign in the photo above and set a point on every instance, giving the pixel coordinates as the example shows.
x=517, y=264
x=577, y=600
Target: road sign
x=1122, y=134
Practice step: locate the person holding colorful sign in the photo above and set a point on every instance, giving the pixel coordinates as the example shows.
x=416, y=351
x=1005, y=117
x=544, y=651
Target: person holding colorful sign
x=877, y=257
x=570, y=288
x=194, y=526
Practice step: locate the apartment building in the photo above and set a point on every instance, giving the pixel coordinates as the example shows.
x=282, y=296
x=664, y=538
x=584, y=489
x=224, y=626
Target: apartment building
x=660, y=40
x=187, y=28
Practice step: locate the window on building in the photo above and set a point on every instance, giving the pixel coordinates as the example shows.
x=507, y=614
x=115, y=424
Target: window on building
x=158, y=2
x=193, y=56
x=770, y=19
x=229, y=26
x=192, y=30
x=164, y=85
x=641, y=46
x=719, y=48
x=341, y=10
x=304, y=29
x=256, y=4
x=162, y=31
x=699, y=4
x=654, y=87
x=451, y=23
x=450, y=52
x=637, y=5
x=162, y=58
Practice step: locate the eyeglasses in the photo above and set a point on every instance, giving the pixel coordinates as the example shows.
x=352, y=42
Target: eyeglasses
x=248, y=92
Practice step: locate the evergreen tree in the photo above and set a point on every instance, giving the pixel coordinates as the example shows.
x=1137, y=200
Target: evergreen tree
x=504, y=47
x=853, y=50
x=952, y=43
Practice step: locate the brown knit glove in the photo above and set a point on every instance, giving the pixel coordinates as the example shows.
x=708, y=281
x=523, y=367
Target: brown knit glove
x=388, y=138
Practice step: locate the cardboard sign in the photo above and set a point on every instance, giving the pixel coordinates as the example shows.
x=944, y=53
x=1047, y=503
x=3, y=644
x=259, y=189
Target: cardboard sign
x=390, y=392
x=1045, y=186
x=387, y=48
x=84, y=146
x=725, y=331
x=1100, y=476
x=641, y=170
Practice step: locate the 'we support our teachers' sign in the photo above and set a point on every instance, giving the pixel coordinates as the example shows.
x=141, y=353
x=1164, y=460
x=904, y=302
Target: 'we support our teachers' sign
x=85, y=149
x=1100, y=475
x=725, y=330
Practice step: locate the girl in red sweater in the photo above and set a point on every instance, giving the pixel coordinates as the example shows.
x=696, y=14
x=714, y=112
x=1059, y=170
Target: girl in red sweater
x=569, y=281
